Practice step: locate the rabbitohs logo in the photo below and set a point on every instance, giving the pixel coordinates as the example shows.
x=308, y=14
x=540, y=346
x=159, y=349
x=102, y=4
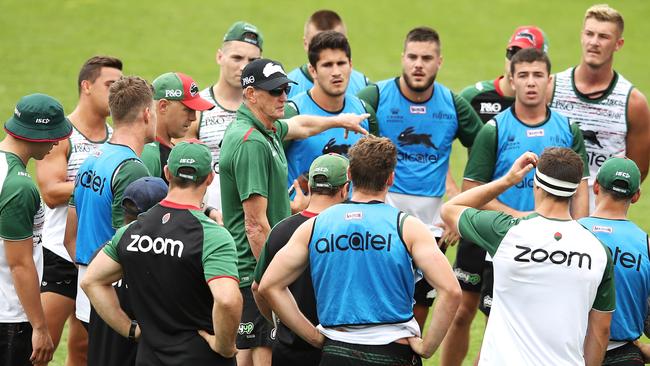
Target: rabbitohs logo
x=271, y=68
x=194, y=89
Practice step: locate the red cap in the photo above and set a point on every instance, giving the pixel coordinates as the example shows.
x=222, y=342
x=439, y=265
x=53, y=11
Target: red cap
x=528, y=36
x=191, y=97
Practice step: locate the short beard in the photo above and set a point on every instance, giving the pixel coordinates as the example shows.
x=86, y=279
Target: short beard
x=426, y=86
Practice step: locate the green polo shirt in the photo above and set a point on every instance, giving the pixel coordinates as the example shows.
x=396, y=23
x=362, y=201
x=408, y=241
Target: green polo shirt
x=252, y=161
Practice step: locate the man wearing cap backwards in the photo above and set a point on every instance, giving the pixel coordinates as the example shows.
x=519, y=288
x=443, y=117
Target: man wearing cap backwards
x=37, y=125
x=116, y=350
x=474, y=273
x=553, y=280
x=363, y=256
x=321, y=21
x=55, y=177
x=242, y=44
x=196, y=296
x=330, y=66
x=95, y=212
x=177, y=102
x=253, y=173
x=616, y=187
x=328, y=185
x=422, y=117
x=612, y=114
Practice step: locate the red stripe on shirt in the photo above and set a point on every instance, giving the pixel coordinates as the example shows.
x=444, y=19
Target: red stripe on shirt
x=248, y=133
x=497, y=87
x=216, y=277
x=309, y=213
x=170, y=204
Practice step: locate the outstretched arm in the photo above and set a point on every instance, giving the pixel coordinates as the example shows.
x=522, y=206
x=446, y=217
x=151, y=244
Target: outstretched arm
x=303, y=126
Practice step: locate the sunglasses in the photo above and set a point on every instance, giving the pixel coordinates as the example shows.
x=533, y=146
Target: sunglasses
x=510, y=52
x=278, y=91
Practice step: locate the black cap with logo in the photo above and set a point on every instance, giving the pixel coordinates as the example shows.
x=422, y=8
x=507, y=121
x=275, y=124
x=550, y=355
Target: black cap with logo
x=264, y=74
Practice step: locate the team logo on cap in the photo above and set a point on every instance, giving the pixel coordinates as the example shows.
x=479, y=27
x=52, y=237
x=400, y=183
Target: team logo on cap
x=43, y=120
x=17, y=112
x=194, y=89
x=271, y=69
x=526, y=35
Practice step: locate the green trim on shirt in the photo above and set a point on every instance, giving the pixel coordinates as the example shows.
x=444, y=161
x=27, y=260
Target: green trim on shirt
x=127, y=172
x=486, y=228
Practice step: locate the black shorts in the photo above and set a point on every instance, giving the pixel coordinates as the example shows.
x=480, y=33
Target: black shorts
x=424, y=293
x=627, y=355
x=195, y=351
x=337, y=353
x=15, y=344
x=254, y=329
x=284, y=355
x=470, y=265
x=59, y=275
x=486, y=289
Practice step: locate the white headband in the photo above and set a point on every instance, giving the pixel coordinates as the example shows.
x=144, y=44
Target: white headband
x=555, y=186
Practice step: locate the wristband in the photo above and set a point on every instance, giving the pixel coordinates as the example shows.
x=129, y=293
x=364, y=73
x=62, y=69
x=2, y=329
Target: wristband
x=134, y=324
x=207, y=211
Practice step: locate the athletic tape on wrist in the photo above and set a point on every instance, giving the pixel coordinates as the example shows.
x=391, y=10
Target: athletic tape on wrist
x=555, y=186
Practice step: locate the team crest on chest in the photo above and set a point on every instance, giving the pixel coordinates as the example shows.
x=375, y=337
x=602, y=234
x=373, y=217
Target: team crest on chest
x=166, y=218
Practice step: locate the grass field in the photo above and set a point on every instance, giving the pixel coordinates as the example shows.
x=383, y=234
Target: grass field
x=45, y=42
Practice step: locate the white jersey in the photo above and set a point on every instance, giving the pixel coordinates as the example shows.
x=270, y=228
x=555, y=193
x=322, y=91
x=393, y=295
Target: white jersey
x=548, y=275
x=55, y=218
x=212, y=127
x=603, y=121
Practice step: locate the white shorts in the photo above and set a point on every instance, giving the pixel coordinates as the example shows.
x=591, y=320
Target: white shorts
x=426, y=209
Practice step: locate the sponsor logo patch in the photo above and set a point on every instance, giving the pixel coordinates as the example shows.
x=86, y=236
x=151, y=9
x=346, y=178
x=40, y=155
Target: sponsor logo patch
x=418, y=109
x=245, y=328
x=173, y=93
x=354, y=215
x=535, y=133
x=166, y=218
x=602, y=229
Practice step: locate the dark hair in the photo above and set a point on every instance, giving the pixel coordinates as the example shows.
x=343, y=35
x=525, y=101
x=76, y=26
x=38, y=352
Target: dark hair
x=327, y=40
x=422, y=34
x=128, y=96
x=92, y=68
x=372, y=160
x=529, y=55
x=561, y=163
x=184, y=182
x=324, y=20
x=324, y=191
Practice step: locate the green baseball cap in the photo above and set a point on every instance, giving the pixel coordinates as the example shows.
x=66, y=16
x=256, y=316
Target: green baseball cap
x=180, y=87
x=190, y=154
x=244, y=32
x=619, y=175
x=39, y=118
x=333, y=166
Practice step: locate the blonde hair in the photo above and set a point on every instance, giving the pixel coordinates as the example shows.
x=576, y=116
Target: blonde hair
x=605, y=13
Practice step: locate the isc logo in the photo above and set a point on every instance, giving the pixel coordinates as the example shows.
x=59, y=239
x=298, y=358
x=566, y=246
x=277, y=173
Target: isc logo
x=173, y=93
x=187, y=161
x=43, y=120
x=493, y=108
x=164, y=246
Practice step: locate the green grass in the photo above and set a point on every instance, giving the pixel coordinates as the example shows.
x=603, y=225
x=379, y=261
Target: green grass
x=45, y=42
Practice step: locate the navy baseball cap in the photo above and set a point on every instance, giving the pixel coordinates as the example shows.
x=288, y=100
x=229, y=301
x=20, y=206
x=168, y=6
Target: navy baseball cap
x=144, y=193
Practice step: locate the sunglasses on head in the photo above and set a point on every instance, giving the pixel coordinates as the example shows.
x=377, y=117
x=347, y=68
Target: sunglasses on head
x=510, y=52
x=278, y=91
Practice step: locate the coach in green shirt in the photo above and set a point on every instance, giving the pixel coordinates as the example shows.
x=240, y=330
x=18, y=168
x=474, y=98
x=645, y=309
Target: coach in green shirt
x=253, y=173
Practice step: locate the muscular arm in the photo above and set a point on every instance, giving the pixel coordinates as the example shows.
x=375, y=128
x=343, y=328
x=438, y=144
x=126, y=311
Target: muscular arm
x=494, y=204
x=51, y=176
x=438, y=273
x=25, y=278
x=597, y=337
x=262, y=305
x=638, y=133
x=303, y=126
x=226, y=313
x=70, y=235
x=256, y=223
x=285, y=268
x=98, y=285
x=580, y=201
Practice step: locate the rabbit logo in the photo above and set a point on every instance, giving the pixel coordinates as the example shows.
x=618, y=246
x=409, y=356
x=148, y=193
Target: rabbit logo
x=332, y=147
x=409, y=137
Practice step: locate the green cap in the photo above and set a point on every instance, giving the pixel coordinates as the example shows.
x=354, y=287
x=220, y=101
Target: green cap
x=333, y=167
x=620, y=175
x=39, y=118
x=190, y=154
x=244, y=32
